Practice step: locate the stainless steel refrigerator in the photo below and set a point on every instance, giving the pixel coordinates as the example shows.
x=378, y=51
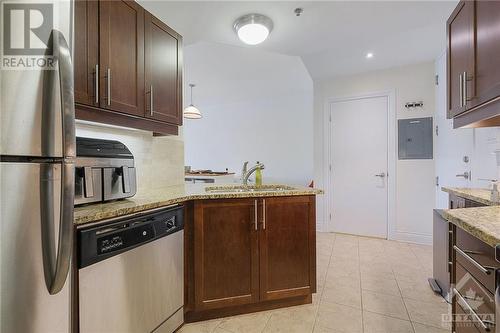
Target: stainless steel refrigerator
x=37, y=149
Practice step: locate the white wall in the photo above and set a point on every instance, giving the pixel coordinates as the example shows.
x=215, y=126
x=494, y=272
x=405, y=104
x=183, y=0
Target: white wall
x=159, y=161
x=414, y=178
x=256, y=106
x=453, y=144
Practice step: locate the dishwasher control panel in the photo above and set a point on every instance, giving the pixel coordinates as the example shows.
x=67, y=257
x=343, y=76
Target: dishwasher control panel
x=107, y=240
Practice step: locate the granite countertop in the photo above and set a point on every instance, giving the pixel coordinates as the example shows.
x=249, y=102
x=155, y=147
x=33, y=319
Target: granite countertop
x=177, y=194
x=475, y=194
x=481, y=222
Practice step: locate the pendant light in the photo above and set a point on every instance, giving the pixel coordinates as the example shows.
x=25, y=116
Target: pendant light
x=192, y=112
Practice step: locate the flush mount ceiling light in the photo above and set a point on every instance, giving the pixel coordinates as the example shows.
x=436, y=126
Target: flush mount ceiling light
x=253, y=29
x=192, y=112
x=369, y=55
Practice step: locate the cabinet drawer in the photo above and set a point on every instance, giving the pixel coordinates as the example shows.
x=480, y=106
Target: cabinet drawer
x=473, y=299
x=477, y=257
x=464, y=323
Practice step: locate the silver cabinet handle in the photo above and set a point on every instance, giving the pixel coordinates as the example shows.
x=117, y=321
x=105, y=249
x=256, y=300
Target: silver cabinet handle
x=484, y=325
x=56, y=261
x=96, y=84
x=483, y=269
x=464, y=94
x=264, y=214
x=255, y=213
x=461, y=90
x=151, y=100
x=108, y=76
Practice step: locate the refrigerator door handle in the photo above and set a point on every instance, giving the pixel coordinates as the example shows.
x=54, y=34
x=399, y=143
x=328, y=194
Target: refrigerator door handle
x=57, y=260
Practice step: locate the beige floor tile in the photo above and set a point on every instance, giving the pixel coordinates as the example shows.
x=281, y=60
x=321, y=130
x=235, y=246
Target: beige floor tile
x=392, y=306
x=342, y=295
x=382, y=286
x=338, y=318
x=250, y=323
x=352, y=281
x=376, y=323
x=420, y=328
x=428, y=313
x=419, y=290
x=284, y=324
x=207, y=326
x=304, y=313
x=379, y=272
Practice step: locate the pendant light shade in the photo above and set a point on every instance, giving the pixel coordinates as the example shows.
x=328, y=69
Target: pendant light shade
x=192, y=112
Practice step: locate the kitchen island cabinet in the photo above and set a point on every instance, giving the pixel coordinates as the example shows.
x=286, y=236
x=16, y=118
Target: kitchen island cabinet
x=251, y=254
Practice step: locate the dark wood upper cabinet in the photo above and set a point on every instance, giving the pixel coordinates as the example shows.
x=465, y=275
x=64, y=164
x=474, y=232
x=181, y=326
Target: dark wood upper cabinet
x=287, y=247
x=163, y=71
x=86, y=52
x=226, y=260
x=121, y=40
x=112, y=38
x=487, y=52
x=474, y=64
x=460, y=55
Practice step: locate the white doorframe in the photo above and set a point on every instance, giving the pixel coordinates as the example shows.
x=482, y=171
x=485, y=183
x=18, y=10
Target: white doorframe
x=391, y=157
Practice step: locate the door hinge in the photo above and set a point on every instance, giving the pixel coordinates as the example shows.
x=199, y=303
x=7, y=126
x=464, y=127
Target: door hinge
x=437, y=130
x=437, y=180
x=330, y=216
x=330, y=167
x=437, y=80
x=330, y=118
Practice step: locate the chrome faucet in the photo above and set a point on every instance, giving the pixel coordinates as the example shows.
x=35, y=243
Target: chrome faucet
x=246, y=174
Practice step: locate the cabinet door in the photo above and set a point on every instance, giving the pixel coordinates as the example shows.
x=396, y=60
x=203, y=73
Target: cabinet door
x=163, y=71
x=287, y=247
x=487, y=51
x=86, y=52
x=226, y=253
x=460, y=56
x=121, y=39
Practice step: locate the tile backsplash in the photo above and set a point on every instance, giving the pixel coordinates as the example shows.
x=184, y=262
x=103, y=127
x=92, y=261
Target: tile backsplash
x=159, y=161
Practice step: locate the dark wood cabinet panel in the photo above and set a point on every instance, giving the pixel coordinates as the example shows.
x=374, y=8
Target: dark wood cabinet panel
x=460, y=55
x=163, y=71
x=226, y=258
x=121, y=39
x=287, y=247
x=487, y=52
x=86, y=51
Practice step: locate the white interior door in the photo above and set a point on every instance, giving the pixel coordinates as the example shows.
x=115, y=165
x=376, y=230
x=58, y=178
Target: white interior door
x=451, y=145
x=359, y=160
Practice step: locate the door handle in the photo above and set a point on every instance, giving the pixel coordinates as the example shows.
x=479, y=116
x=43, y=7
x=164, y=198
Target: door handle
x=465, y=175
x=381, y=175
x=56, y=261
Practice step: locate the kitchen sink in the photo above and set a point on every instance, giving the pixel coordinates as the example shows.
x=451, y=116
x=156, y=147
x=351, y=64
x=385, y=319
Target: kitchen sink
x=249, y=188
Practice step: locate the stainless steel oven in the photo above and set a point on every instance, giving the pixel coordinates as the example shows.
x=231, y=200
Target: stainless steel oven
x=130, y=274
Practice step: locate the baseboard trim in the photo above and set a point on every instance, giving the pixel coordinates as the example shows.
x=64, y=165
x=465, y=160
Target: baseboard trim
x=410, y=237
x=321, y=226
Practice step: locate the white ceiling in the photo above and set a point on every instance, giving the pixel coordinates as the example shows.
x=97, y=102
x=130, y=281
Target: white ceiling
x=332, y=37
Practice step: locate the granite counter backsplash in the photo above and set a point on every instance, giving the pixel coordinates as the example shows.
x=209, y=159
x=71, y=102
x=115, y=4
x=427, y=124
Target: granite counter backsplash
x=173, y=195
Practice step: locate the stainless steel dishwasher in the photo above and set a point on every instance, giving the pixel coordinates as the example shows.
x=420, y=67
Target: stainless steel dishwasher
x=131, y=274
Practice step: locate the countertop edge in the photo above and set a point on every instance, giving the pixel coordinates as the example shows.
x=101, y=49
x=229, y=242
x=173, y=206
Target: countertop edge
x=463, y=193
x=100, y=216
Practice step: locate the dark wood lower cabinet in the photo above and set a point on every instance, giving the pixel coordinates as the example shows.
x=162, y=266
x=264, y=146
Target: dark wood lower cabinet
x=287, y=244
x=246, y=255
x=226, y=262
